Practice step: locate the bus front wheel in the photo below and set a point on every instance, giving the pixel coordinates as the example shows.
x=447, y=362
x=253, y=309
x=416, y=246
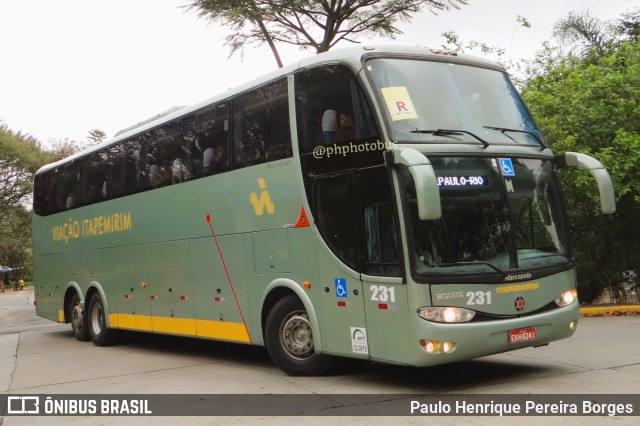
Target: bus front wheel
x=97, y=322
x=78, y=318
x=289, y=339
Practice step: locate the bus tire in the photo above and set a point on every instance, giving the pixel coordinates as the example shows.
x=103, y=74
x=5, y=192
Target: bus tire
x=289, y=339
x=78, y=318
x=100, y=334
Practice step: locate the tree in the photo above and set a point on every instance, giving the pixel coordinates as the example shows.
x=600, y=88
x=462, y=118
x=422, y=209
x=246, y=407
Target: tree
x=62, y=148
x=591, y=103
x=96, y=136
x=629, y=24
x=15, y=242
x=583, y=32
x=315, y=25
x=592, y=37
x=20, y=157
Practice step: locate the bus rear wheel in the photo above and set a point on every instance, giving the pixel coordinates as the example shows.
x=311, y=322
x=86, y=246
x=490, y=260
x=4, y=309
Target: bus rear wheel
x=289, y=339
x=78, y=318
x=100, y=334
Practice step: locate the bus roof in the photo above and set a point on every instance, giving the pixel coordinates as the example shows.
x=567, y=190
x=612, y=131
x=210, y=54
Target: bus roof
x=352, y=55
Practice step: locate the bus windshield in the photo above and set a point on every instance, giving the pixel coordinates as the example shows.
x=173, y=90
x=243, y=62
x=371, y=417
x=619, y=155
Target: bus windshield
x=499, y=215
x=429, y=101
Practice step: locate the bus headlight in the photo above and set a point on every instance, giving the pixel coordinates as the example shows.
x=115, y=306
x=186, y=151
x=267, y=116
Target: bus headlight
x=567, y=298
x=446, y=314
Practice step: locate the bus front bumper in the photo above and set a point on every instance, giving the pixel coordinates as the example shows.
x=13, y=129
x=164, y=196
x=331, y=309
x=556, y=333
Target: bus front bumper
x=437, y=343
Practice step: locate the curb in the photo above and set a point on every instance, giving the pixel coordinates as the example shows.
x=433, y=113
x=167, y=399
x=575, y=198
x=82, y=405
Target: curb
x=604, y=309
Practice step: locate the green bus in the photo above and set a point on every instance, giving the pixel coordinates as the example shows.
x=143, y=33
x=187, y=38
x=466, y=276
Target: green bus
x=390, y=204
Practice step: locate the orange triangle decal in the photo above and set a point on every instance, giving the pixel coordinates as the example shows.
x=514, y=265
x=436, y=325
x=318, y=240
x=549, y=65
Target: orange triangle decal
x=302, y=220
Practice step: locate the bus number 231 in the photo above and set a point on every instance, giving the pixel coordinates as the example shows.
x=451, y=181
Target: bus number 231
x=479, y=298
x=381, y=293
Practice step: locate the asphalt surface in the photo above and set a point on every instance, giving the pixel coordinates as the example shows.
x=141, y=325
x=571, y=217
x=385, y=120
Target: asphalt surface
x=38, y=356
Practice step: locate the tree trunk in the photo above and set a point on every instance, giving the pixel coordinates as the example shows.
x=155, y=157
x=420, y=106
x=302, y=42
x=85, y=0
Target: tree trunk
x=272, y=45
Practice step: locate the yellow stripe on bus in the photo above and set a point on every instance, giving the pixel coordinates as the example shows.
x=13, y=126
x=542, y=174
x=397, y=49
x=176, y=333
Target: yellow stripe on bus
x=131, y=322
x=60, y=315
x=174, y=325
x=223, y=330
x=187, y=327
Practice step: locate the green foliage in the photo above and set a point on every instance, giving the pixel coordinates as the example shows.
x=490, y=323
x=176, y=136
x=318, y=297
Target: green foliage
x=20, y=157
x=15, y=242
x=591, y=104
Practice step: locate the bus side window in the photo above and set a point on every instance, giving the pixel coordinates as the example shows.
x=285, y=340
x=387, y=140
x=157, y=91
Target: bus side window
x=164, y=158
x=261, y=125
x=333, y=201
x=191, y=152
x=380, y=254
x=124, y=160
x=212, y=138
x=45, y=193
x=95, y=169
x=68, y=186
x=322, y=94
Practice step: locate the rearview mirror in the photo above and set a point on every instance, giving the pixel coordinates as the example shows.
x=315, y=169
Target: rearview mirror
x=599, y=173
x=424, y=177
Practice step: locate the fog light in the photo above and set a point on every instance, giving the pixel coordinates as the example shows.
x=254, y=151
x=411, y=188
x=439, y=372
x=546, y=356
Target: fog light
x=448, y=347
x=573, y=325
x=567, y=298
x=430, y=346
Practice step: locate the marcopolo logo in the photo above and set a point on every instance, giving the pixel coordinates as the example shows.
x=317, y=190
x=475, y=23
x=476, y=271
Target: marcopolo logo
x=518, y=277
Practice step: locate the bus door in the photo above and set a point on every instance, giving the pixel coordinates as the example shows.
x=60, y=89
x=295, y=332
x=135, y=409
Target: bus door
x=384, y=291
x=343, y=320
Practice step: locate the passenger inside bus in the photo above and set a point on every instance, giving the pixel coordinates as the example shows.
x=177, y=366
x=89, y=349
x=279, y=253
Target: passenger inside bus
x=329, y=125
x=179, y=171
x=215, y=159
x=347, y=130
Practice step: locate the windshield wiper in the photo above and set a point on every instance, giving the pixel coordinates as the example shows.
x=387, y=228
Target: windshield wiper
x=495, y=268
x=543, y=254
x=450, y=132
x=503, y=130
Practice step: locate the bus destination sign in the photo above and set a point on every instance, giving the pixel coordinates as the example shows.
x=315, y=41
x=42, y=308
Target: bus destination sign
x=460, y=181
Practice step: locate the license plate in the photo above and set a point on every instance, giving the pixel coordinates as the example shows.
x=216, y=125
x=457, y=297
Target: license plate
x=522, y=335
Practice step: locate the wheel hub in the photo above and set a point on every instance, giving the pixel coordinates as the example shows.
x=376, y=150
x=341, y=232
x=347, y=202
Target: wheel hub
x=296, y=336
x=76, y=317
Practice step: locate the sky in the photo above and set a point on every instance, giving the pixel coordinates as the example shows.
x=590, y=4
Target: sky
x=70, y=66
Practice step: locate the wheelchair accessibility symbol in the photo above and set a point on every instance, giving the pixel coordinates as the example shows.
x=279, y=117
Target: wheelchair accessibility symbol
x=341, y=287
x=506, y=166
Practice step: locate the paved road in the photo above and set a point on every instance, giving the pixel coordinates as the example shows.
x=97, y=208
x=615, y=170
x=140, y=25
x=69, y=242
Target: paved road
x=41, y=357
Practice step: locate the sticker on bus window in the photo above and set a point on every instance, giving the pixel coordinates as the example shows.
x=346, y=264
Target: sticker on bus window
x=399, y=103
x=359, y=340
x=506, y=166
